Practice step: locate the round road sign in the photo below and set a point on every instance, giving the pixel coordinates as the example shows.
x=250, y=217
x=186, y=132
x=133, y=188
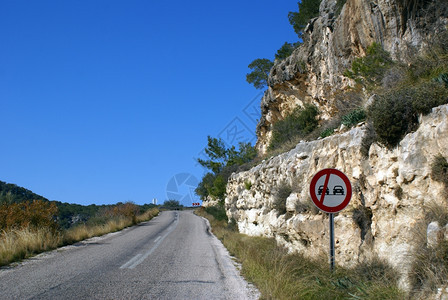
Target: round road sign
x=330, y=190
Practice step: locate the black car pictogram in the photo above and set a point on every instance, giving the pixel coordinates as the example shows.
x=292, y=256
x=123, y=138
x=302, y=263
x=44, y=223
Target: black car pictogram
x=321, y=189
x=338, y=190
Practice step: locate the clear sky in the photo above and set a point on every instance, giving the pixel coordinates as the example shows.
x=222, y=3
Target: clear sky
x=106, y=101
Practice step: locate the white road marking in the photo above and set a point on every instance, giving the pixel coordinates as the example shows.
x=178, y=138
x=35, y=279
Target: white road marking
x=139, y=258
x=132, y=260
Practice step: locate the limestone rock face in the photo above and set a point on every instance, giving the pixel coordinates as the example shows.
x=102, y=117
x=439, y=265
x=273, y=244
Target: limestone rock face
x=390, y=190
x=314, y=72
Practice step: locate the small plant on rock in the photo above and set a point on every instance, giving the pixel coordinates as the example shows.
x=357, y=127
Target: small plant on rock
x=370, y=68
x=247, y=185
x=282, y=193
x=300, y=122
x=354, y=117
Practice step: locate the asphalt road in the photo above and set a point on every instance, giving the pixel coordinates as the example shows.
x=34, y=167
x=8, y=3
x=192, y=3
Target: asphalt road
x=173, y=256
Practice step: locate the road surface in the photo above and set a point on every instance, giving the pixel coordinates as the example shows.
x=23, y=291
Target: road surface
x=173, y=256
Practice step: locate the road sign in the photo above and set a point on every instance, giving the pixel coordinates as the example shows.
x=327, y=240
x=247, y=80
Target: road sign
x=330, y=190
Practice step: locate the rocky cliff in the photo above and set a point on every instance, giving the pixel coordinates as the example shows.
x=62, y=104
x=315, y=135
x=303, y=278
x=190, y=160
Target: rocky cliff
x=342, y=32
x=393, y=189
x=392, y=194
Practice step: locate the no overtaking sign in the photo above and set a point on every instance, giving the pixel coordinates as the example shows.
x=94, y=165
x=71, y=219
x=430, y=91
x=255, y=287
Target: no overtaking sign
x=330, y=190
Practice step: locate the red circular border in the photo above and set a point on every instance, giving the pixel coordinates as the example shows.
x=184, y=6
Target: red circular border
x=316, y=201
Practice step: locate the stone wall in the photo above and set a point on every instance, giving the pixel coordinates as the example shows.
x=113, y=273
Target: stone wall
x=391, y=189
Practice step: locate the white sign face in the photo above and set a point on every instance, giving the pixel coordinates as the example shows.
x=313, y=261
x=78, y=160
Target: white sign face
x=330, y=190
x=335, y=192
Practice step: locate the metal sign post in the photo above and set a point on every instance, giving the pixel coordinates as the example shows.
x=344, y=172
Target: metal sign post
x=332, y=259
x=331, y=191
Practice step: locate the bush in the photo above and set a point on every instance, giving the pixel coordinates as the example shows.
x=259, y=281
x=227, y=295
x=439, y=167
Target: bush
x=428, y=95
x=370, y=69
x=327, y=132
x=300, y=122
x=392, y=117
x=218, y=212
x=354, y=117
x=442, y=78
x=35, y=214
x=395, y=113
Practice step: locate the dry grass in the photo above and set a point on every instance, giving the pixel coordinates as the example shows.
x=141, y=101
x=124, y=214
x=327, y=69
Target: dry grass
x=17, y=244
x=279, y=275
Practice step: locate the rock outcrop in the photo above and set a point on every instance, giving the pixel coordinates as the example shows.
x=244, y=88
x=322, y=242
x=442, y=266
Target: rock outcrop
x=391, y=191
x=314, y=72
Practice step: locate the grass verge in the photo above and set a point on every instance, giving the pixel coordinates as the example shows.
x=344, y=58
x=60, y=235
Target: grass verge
x=279, y=275
x=18, y=244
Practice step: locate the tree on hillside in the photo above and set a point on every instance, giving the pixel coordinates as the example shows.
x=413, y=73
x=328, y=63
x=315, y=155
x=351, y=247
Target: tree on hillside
x=285, y=51
x=171, y=203
x=308, y=9
x=222, y=163
x=260, y=72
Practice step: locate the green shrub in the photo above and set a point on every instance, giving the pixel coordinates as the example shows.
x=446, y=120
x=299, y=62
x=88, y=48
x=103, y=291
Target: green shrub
x=300, y=122
x=395, y=113
x=392, y=117
x=370, y=68
x=327, y=132
x=247, y=185
x=428, y=95
x=354, y=117
x=442, y=78
x=218, y=212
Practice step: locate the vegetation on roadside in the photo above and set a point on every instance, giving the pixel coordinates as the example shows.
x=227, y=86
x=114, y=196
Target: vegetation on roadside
x=28, y=227
x=279, y=275
x=222, y=162
x=171, y=204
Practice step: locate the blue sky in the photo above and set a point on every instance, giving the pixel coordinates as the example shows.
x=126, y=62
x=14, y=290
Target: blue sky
x=106, y=101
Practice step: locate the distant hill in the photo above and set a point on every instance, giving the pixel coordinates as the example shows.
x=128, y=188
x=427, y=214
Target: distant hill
x=68, y=214
x=11, y=193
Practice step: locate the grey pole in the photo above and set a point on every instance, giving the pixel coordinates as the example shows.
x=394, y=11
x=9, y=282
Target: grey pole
x=331, y=241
